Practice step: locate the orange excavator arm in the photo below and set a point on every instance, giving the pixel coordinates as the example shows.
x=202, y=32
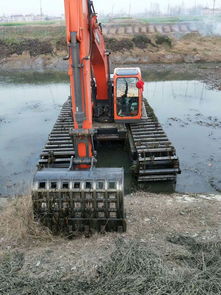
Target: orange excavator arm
x=87, y=55
x=72, y=194
x=99, y=58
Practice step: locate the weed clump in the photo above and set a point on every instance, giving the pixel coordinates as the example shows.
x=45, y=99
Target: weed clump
x=61, y=44
x=114, y=44
x=34, y=46
x=141, y=41
x=163, y=40
x=18, y=227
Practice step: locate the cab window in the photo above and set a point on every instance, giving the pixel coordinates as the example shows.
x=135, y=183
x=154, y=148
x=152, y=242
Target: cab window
x=127, y=97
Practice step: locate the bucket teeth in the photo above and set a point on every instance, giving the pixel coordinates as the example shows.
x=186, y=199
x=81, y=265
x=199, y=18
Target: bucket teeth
x=80, y=201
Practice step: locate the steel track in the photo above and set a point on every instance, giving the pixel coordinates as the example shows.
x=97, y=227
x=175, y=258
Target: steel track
x=155, y=155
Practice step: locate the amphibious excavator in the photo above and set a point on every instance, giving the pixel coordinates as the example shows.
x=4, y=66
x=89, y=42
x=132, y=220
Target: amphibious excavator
x=70, y=194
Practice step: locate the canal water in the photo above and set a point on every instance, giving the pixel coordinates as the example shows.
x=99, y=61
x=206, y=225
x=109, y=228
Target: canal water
x=189, y=111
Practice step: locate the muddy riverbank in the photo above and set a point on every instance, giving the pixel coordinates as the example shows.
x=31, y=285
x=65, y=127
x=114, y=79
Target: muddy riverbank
x=54, y=61
x=165, y=56
x=42, y=48
x=172, y=245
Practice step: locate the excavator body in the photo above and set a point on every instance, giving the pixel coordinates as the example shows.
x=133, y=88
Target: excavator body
x=70, y=194
x=81, y=197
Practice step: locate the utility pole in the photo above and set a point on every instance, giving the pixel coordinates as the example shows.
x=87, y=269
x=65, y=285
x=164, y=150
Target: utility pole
x=195, y=6
x=168, y=10
x=112, y=11
x=41, y=10
x=214, y=6
x=129, y=9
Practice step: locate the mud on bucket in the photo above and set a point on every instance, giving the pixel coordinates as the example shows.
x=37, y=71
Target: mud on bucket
x=80, y=201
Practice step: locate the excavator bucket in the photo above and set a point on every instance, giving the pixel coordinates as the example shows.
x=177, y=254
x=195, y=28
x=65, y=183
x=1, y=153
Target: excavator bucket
x=80, y=201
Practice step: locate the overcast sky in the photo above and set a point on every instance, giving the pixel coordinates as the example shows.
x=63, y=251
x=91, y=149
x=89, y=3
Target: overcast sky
x=55, y=7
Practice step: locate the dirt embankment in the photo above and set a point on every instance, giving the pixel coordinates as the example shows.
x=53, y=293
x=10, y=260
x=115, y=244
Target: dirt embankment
x=191, y=48
x=172, y=246
x=43, y=48
x=210, y=73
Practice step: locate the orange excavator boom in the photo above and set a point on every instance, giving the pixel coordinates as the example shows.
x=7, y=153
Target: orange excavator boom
x=81, y=197
x=87, y=56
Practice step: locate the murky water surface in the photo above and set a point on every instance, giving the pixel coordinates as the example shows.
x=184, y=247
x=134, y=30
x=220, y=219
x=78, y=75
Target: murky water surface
x=191, y=116
x=189, y=112
x=27, y=114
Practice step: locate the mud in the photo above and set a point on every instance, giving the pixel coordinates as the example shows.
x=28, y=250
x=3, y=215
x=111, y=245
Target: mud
x=43, y=50
x=34, y=46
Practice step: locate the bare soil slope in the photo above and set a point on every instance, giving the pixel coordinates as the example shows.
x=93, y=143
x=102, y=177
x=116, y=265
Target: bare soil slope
x=42, y=48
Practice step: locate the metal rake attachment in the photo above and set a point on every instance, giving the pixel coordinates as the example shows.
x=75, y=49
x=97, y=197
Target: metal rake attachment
x=80, y=201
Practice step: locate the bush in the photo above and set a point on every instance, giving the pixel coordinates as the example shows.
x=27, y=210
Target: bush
x=18, y=227
x=141, y=41
x=162, y=39
x=34, y=46
x=61, y=44
x=4, y=50
x=114, y=44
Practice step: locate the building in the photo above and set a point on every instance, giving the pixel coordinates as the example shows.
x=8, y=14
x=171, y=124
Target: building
x=209, y=11
x=20, y=18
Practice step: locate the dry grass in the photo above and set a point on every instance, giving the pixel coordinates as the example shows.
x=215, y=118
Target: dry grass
x=172, y=246
x=17, y=225
x=132, y=269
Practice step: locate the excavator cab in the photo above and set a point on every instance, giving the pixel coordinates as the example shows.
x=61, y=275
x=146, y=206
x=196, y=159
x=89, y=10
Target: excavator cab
x=128, y=94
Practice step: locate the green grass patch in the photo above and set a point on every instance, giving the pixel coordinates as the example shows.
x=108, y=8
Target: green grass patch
x=180, y=19
x=161, y=20
x=16, y=24
x=20, y=33
x=123, y=17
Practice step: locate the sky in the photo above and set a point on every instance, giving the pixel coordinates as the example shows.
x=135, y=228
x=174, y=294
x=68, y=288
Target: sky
x=55, y=7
